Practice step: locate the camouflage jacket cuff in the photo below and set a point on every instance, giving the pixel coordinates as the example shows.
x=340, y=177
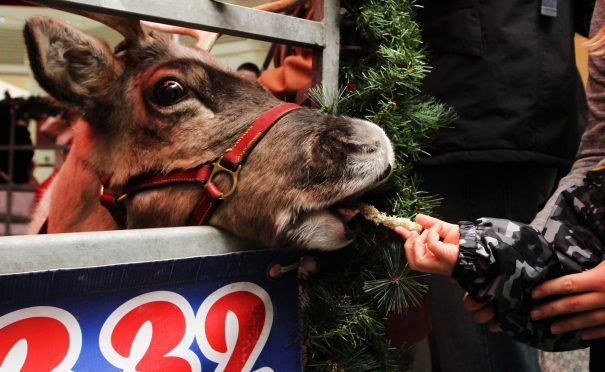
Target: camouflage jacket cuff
x=475, y=260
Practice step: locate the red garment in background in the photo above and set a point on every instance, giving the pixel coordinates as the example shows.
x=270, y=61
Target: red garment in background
x=292, y=75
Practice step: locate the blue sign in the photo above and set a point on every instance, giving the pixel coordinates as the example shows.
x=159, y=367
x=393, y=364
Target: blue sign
x=213, y=313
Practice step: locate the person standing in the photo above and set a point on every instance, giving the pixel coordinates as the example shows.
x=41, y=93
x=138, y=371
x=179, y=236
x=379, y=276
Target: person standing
x=579, y=299
x=508, y=69
x=248, y=70
x=577, y=312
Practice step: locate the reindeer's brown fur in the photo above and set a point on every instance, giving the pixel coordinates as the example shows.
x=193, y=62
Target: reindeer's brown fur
x=303, y=165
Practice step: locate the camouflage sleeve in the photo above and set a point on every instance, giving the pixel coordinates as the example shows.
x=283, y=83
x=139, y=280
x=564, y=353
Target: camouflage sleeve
x=501, y=260
x=576, y=225
x=494, y=253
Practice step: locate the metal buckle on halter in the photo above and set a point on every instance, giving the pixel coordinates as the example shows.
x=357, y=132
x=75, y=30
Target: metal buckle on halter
x=115, y=199
x=218, y=168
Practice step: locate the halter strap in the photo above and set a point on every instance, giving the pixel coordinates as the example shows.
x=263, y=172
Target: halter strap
x=229, y=164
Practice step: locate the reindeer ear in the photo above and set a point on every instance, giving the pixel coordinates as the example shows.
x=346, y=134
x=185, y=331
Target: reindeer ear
x=70, y=65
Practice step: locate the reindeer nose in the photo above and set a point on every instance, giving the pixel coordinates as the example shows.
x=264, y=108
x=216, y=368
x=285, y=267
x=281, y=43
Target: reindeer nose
x=373, y=141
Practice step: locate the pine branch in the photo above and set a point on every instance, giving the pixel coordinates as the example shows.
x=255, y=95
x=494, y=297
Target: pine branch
x=344, y=307
x=394, y=289
x=326, y=100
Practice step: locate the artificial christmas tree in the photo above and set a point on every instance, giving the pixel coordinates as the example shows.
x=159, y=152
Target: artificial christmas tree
x=346, y=304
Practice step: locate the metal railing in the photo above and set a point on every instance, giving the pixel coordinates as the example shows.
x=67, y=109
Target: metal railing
x=322, y=35
x=8, y=188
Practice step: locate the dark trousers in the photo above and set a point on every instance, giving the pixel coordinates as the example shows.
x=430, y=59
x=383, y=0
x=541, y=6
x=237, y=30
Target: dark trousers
x=597, y=356
x=470, y=191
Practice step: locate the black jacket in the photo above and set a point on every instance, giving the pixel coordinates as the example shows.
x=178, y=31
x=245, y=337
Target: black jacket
x=510, y=74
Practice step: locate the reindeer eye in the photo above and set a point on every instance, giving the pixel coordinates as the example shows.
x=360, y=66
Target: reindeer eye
x=168, y=92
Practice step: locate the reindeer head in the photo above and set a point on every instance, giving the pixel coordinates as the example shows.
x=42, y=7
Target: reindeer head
x=153, y=105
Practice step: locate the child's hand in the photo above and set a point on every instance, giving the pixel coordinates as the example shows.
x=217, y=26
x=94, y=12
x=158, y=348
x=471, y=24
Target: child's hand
x=425, y=252
x=483, y=313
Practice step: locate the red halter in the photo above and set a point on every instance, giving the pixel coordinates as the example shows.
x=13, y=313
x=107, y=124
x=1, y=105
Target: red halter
x=229, y=164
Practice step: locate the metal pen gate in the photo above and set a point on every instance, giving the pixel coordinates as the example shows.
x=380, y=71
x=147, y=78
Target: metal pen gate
x=71, y=275
x=322, y=35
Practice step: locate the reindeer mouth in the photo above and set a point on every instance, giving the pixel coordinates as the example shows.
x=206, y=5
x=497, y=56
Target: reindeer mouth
x=348, y=208
x=346, y=211
x=334, y=226
x=329, y=228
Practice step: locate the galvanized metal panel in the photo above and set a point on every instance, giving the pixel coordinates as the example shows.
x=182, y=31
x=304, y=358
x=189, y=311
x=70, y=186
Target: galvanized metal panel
x=323, y=34
x=60, y=251
x=211, y=16
x=47, y=252
x=330, y=54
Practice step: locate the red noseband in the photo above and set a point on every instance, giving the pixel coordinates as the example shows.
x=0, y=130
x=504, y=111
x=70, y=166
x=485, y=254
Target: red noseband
x=229, y=164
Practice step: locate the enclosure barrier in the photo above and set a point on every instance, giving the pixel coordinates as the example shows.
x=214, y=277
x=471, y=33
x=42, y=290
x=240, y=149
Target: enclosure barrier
x=66, y=298
x=322, y=35
x=78, y=250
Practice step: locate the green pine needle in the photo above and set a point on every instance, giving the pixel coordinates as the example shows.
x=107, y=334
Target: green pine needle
x=344, y=307
x=327, y=100
x=395, y=289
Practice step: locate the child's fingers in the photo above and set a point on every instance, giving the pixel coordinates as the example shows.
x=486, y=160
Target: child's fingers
x=494, y=327
x=405, y=234
x=446, y=254
x=433, y=243
x=416, y=251
x=426, y=221
x=447, y=231
x=407, y=247
x=423, y=259
x=442, y=254
x=433, y=238
x=450, y=233
x=419, y=244
x=469, y=304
